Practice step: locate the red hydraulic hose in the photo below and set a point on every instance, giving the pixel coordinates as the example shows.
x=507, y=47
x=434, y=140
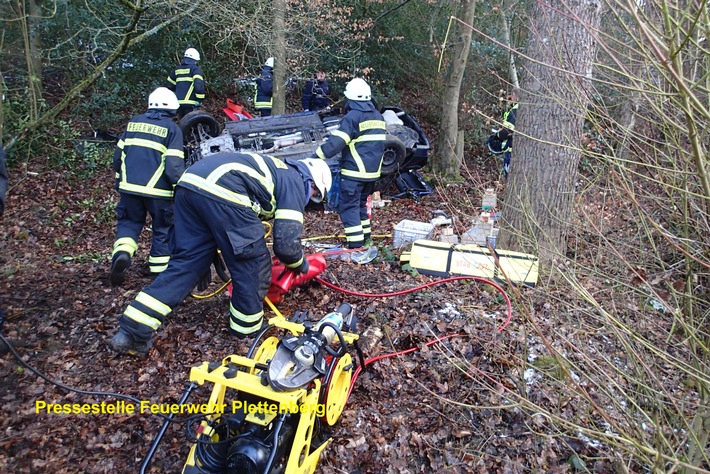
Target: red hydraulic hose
x=427, y=285
x=369, y=361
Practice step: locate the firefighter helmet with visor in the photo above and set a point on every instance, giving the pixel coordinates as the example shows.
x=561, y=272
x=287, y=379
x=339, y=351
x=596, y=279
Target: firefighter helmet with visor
x=322, y=177
x=163, y=98
x=192, y=54
x=358, y=89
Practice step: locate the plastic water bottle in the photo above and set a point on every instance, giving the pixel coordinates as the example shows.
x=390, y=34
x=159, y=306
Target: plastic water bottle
x=328, y=332
x=336, y=318
x=490, y=200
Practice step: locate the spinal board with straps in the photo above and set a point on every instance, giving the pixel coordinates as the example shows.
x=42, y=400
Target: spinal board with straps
x=444, y=259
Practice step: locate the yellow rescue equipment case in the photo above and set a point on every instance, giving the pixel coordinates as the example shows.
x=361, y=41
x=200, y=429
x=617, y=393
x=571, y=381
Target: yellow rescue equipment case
x=444, y=259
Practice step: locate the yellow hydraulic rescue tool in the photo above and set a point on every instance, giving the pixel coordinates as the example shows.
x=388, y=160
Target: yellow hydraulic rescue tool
x=269, y=412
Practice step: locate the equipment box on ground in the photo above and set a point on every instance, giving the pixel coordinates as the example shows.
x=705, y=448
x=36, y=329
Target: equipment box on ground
x=444, y=260
x=408, y=231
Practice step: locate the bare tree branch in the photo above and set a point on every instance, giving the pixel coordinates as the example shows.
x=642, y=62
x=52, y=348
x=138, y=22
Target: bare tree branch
x=128, y=40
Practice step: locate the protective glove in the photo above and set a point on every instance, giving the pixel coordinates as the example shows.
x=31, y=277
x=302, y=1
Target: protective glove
x=220, y=267
x=204, y=282
x=303, y=269
x=315, y=266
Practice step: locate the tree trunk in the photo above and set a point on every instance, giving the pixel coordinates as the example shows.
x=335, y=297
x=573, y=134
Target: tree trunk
x=626, y=118
x=459, y=146
x=28, y=17
x=512, y=69
x=279, y=96
x=2, y=110
x=35, y=44
x=538, y=200
x=445, y=162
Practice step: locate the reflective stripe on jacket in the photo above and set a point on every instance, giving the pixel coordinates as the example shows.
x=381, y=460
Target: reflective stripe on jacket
x=187, y=82
x=149, y=157
x=509, y=117
x=361, y=138
x=505, y=134
x=263, y=184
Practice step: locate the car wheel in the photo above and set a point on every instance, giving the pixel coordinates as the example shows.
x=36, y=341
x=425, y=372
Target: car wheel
x=395, y=153
x=197, y=126
x=384, y=184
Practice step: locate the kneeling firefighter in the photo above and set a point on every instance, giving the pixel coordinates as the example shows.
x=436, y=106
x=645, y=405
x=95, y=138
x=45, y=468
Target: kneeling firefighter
x=219, y=204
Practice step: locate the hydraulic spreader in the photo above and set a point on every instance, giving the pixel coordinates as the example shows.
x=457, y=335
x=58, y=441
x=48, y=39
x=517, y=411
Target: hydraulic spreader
x=270, y=412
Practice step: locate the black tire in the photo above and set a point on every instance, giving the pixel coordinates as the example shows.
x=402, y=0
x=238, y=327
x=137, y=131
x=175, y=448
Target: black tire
x=393, y=158
x=385, y=184
x=197, y=126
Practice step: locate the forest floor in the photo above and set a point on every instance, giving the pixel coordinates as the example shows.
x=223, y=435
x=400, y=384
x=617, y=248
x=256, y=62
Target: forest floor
x=418, y=412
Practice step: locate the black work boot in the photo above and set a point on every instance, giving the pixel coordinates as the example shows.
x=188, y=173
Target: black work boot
x=124, y=343
x=242, y=336
x=119, y=265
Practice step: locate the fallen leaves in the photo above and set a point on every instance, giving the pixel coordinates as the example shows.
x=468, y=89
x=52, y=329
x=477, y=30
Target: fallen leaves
x=437, y=409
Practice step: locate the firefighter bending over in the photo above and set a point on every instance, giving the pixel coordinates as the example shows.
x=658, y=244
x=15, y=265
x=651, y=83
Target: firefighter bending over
x=219, y=204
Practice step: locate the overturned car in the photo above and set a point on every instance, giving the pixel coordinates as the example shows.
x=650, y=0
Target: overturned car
x=298, y=135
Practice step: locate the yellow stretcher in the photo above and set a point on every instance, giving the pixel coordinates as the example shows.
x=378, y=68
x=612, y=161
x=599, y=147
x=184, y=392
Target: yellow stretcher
x=444, y=259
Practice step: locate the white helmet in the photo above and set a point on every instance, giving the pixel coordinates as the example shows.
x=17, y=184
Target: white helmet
x=322, y=179
x=163, y=98
x=358, y=89
x=192, y=54
x=269, y=62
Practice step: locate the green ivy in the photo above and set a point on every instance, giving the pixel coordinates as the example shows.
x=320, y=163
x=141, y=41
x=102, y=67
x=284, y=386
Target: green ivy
x=410, y=269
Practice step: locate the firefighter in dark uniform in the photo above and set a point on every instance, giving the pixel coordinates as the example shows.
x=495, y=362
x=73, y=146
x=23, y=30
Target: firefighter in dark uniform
x=264, y=89
x=315, y=94
x=219, y=204
x=149, y=160
x=361, y=137
x=505, y=134
x=188, y=83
